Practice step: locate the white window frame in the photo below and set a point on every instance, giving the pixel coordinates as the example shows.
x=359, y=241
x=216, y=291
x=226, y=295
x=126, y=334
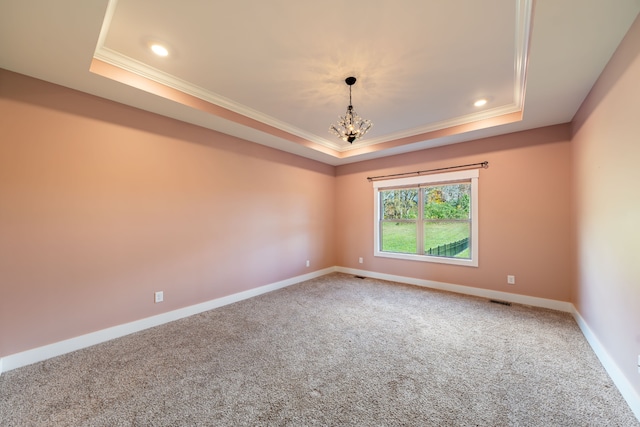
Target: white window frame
x=443, y=178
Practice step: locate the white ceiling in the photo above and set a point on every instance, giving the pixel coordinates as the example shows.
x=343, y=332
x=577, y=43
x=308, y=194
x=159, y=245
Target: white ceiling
x=273, y=72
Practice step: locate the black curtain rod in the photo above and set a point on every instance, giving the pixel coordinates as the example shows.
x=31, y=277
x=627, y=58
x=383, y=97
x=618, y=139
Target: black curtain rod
x=483, y=165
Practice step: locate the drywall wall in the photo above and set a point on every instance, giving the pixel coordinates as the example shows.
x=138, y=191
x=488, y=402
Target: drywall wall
x=524, y=209
x=606, y=149
x=101, y=205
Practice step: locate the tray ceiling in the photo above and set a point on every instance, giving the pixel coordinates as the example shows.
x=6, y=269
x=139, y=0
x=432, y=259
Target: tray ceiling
x=273, y=72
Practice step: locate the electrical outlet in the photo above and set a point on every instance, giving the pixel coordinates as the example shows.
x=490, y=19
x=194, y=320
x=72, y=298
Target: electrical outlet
x=308, y=263
x=360, y=260
x=511, y=280
x=159, y=296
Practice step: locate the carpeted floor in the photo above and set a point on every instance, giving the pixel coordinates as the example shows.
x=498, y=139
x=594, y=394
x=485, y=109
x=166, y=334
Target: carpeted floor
x=333, y=351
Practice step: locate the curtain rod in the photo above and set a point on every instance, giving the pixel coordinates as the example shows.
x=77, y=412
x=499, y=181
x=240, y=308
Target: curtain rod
x=483, y=165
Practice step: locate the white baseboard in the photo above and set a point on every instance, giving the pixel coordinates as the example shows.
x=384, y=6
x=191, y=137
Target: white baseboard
x=467, y=290
x=28, y=357
x=39, y=354
x=616, y=375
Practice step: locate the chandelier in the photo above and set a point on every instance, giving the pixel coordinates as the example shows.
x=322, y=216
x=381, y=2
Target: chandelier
x=350, y=126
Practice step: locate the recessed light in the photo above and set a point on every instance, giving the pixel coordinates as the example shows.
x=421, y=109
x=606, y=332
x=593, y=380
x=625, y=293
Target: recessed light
x=159, y=50
x=480, y=102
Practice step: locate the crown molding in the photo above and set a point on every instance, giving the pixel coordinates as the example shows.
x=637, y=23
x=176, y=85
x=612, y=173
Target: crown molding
x=524, y=10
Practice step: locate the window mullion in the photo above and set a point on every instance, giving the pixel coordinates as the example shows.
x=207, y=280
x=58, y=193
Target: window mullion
x=420, y=223
x=453, y=193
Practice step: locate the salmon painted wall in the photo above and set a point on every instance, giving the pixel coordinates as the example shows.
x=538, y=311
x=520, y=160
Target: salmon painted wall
x=524, y=210
x=606, y=155
x=101, y=205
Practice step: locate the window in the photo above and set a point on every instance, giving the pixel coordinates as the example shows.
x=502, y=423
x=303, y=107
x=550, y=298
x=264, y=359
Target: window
x=428, y=218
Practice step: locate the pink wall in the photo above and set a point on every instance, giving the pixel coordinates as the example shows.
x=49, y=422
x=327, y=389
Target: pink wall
x=524, y=208
x=101, y=205
x=606, y=155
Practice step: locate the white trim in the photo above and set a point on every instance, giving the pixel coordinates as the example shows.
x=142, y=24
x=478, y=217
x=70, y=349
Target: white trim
x=123, y=62
x=106, y=23
x=619, y=379
x=471, y=174
x=424, y=179
x=616, y=375
x=134, y=66
x=466, y=290
x=523, y=18
x=67, y=346
x=56, y=349
x=444, y=124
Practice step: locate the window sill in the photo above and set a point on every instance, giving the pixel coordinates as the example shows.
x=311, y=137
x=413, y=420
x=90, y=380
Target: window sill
x=427, y=258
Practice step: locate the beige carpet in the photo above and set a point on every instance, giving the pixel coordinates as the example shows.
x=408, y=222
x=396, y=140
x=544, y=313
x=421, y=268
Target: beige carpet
x=337, y=351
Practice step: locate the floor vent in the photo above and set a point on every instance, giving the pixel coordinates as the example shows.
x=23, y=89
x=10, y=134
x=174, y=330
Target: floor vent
x=500, y=302
x=359, y=277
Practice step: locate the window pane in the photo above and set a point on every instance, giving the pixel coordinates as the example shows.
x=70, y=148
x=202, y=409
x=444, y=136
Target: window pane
x=447, y=226
x=399, y=204
x=416, y=214
x=447, y=238
x=450, y=201
x=399, y=237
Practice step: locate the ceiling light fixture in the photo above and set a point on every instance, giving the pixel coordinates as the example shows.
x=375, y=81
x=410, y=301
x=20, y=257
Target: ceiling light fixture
x=159, y=50
x=480, y=102
x=350, y=126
